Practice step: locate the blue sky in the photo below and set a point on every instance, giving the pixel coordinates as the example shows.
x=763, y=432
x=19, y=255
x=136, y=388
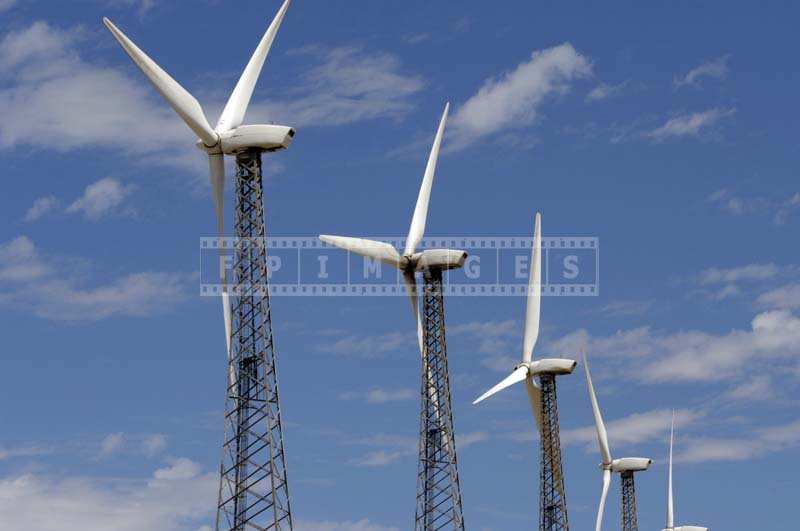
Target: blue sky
x=668, y=131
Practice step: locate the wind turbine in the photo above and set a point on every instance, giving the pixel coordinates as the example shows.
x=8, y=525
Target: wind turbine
x=438, y=492
x=670, y=511
x=253, y=489
x=542, y=397
x=625, y=467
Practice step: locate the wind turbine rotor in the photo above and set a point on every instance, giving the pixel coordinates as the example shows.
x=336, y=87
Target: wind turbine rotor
x=182, y=102
x=417, y=229
x=525, y=370
x=233, y=114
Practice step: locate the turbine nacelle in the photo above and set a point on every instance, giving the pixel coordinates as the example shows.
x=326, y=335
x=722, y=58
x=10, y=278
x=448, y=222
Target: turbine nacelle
x=443, y=259
x=552, y=366
x=264, y=137
x=628, y=464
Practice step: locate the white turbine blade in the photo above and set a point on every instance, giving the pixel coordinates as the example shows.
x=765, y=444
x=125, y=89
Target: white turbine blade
x=535, y=398
x=417, y=229
x=178, y=97
x=670, y=509
x=602, y=434
x=233, y=114
x=519, y=374
x=602, y=506
x=370, y=248
x=534, y=293
x=216, y=166
x=413, y=297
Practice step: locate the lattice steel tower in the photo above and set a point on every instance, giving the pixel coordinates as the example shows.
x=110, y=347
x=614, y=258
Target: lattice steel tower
x=253, y=491
x=552, y=496
x=438, y=490
x=626, y=467
x=438, y=497
x=542, y=397
x=629, y=519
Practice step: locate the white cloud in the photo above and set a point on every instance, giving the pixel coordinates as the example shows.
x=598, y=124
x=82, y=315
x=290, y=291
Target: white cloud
x=111, y=444
x=369, y=347
x=626, y=308
x=757, y=443
x=514, y=100
x=635, y=429
x=381, y=396
x=20, y=261
x=360, y=525
x=604, y=91
x=755, y=388
x=175, y=498
x=783, y=209
x=391, y=449
x=689, y=125
x=101, y=198
x=785, y=297
x=750, y=272
x=48, y=288
x=154, y=444
x=40, y=207
x=55, y=99
x=465, y=440
x=715, y=69
x=5, y=5
x=142, y=6
x=344, y=85
x=693, y=356
x=23, y=451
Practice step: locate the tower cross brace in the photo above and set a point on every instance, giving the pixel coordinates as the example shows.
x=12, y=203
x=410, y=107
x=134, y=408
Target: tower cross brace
x=629, y=518
x=438, y=491
x=552, y=497
x=253, y=490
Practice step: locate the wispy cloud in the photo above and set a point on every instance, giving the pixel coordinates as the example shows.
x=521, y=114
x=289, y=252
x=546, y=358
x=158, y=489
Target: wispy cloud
x=716, y=275
x=690, y=125
x=101, y=198
x=632, y=430
x=782, y=209
x=5, y=5
x=55, y=99
x=377, y=395
x=389, y=449
x=49, y=289
x=177, y=497
x=40, y=208
x=604, y=91
x=514, y=100
x=626, y=308
x=355, y=525
x=111, y=444
x=714, y=69
x=786, y=297
x=692, y=356
x=344, y=85
x=757, y=443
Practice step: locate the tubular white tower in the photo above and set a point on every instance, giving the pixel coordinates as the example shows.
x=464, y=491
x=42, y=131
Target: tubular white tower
x=543, y=401
x=253, y=491
x=670, y=507
x=625, y=467
x=438, y=494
